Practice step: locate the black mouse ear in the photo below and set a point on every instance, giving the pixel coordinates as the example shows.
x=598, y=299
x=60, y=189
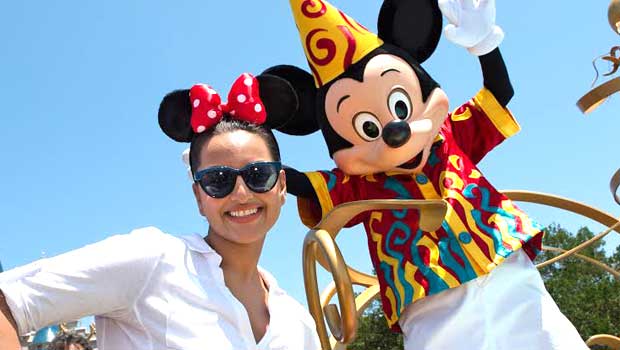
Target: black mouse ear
x=285, y=85
x=279, y=99
x=413, y=25
x=174, y=116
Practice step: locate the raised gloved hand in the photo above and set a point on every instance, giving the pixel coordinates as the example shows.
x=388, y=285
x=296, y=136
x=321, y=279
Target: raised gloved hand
x=472, y=24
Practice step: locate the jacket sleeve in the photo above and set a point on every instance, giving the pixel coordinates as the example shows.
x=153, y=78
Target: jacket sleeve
x=332, y=188
x=479, y=125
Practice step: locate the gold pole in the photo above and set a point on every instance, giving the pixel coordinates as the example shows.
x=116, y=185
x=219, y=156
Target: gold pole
x=613, y=13
x=614, y=185
x=592, y=261
x=343, y=329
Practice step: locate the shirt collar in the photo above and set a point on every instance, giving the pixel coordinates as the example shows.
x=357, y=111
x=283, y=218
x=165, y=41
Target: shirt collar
x=198, y=244
x=272, y=284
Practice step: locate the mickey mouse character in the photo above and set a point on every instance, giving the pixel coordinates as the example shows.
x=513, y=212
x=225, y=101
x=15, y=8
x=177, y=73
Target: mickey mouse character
x=471, y=283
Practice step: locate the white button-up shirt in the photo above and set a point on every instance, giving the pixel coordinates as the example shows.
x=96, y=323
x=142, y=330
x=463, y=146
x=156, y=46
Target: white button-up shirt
x=151, y=290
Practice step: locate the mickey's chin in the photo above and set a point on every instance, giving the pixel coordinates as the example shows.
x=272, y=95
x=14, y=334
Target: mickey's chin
x=420, y=145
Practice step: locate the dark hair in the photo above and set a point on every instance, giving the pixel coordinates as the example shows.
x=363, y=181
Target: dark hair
x=227, y=125
x=62, y=340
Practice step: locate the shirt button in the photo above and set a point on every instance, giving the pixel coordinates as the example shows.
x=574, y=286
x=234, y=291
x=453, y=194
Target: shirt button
x=465, y=237
x=421, y=179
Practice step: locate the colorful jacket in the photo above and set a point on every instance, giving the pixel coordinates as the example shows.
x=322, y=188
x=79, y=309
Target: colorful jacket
x=482, y=227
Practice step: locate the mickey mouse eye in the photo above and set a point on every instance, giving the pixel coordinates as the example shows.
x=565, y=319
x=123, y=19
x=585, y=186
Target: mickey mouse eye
x=367, y=126
x=399, y=104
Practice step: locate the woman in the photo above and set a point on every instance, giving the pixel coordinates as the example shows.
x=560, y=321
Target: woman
x=151, y=290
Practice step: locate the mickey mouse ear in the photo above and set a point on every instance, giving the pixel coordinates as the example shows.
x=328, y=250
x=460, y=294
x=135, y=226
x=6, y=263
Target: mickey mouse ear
x=414, y=26
x=279, y=99
x=289, y=95
x=174, y=116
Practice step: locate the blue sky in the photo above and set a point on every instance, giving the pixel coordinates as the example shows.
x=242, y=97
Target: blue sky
x=83, y=157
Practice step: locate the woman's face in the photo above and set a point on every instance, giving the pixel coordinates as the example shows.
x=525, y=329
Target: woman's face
x=243, y=216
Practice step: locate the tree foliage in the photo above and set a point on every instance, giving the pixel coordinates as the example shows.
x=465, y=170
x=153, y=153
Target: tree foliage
x=587, y=295
x=373, y=333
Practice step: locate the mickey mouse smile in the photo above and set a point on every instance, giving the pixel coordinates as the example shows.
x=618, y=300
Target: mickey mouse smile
x=413, y=163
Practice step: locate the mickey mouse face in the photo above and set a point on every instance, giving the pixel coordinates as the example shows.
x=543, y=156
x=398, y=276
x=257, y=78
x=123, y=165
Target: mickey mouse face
x=359, y=113
x=384, y=117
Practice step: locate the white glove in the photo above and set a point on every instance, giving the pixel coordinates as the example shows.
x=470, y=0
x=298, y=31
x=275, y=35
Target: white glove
x=472, y=24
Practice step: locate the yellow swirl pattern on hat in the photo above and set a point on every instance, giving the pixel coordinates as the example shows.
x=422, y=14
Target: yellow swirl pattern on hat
x=332, y=40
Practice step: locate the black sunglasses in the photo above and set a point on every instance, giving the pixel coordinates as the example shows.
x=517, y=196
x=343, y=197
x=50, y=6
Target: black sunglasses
x=219, y=181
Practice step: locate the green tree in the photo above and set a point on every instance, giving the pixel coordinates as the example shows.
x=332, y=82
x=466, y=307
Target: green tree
x=373, y=333
x=588, y=296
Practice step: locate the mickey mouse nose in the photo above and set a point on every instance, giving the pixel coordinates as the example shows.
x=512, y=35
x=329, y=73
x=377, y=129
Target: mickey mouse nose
x=396, y=133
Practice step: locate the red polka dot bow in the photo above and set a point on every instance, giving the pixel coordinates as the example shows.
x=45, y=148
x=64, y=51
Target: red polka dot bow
x=243, y=104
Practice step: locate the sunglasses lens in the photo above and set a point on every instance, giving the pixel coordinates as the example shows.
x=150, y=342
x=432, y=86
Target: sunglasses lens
x=218, y=183
x=261, y=177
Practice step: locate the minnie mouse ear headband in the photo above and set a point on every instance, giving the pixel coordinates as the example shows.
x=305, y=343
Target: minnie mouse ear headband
x=184, y=113
x=266, y=100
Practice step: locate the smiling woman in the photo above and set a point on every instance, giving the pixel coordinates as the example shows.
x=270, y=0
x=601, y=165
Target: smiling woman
x=240, y=205
x=149, y=289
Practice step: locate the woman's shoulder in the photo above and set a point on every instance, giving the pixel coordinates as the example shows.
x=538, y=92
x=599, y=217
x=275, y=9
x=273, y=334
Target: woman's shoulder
x=152, y=236
x=144, y=242
x=150, y=232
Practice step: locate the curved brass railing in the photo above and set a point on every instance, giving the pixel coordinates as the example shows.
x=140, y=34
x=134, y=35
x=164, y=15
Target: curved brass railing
x=342, y=329
x=572, y=206
x=610, y=341
x=321, y=239
x=320, y=246
x=614, y=185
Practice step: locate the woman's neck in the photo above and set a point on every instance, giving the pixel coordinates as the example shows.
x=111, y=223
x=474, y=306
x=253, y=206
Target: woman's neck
x=239, y=264
x=239, y=261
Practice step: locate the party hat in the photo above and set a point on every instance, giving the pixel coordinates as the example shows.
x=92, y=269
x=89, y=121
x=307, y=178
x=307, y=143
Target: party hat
x=332, y=40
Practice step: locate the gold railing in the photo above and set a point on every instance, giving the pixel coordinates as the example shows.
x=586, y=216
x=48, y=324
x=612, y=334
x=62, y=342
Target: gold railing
x=595, y=97
x=320, y=246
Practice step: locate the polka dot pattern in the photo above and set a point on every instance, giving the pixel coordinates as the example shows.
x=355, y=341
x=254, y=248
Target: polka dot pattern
x=243, y=103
